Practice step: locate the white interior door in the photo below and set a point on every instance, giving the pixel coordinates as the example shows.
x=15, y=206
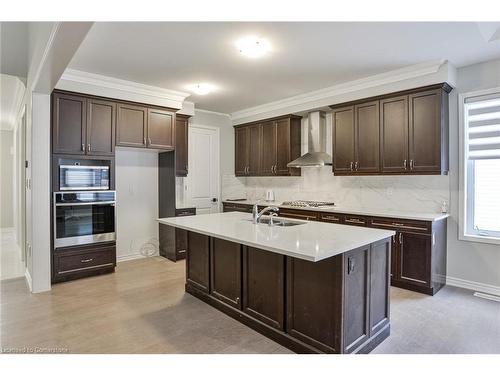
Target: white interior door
x=203, y=165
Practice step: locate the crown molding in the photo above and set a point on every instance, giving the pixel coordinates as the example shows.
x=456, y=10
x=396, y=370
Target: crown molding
x=398, y=75
x=9, y=111
x=97, y=84
x=212, y=112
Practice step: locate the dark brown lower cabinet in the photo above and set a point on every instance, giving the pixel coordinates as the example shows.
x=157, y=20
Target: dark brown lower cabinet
x=264, y=286
x=198, y=261
x=82, y=261
x=225, y=271
x=338, y=305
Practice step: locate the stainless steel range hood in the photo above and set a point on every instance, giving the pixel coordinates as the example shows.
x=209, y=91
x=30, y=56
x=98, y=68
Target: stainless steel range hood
x=316, y=155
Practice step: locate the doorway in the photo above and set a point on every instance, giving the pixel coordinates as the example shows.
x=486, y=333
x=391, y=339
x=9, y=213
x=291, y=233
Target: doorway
x=203, y=181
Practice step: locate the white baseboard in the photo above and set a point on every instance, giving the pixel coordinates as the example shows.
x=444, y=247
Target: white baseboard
x=472, y=285
x=125, y=258
x=28, y=279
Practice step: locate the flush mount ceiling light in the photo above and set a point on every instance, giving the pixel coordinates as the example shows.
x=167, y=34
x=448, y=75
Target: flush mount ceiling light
x=253, y=46
x=201, y=88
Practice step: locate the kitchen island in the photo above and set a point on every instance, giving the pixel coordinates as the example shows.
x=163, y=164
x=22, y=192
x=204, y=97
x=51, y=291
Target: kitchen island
x=313, y=287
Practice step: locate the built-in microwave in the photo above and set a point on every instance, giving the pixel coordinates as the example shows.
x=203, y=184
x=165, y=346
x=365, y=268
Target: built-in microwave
x=83, y=177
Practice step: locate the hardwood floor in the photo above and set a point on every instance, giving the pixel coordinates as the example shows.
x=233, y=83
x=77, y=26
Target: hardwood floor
x=142, y=308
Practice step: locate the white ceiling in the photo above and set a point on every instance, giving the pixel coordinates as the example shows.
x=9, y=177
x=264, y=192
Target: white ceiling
x=305, y=56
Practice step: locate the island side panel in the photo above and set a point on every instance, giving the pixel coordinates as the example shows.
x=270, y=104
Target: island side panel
x=380, y=282
x=314, y=302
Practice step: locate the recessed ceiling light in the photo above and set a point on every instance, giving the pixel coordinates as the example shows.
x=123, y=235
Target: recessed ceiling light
x=253, y=46
x=201, y=88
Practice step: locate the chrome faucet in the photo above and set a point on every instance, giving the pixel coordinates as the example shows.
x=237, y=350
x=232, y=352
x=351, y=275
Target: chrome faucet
x=256, y=215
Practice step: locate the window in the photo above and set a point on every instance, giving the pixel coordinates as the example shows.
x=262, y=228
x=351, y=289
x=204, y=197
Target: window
x=481, y=120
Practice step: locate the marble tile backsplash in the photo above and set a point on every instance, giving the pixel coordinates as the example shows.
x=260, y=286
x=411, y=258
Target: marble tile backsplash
x=423, y=194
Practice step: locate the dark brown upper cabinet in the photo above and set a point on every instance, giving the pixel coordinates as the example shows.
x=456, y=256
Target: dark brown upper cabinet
x=394, y=134
x=82, y=126
x=69, y=124
x=248, y=143
x=344, y=135
x=426, y=116
x=131, y=126
x=400, y=133
x=181, y=145
x=161, y=129
x=265, y=148
x=101, y=119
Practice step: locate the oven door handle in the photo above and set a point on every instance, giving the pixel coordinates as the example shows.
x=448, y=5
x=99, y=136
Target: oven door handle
x=85, y=203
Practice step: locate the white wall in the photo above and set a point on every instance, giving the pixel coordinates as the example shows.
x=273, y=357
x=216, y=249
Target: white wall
x=136, y=176
x=7, y=173
x=471, y=262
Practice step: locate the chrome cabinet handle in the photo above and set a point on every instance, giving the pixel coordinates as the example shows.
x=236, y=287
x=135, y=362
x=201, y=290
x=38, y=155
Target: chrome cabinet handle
x=401, y=238
x=398, y=224
x=83, y=147
x=357, y=221
x=88, y=147
x=352, y=165
x=356, y=166
x=404, y=164
x=86, y=260
x=149, y=140
x=412, y=163
x=144, y=140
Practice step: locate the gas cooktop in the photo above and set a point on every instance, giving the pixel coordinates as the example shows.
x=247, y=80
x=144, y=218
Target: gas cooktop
x=306, y=204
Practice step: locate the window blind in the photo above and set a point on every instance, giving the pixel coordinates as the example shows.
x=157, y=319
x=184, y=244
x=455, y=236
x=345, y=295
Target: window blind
x=482, y=115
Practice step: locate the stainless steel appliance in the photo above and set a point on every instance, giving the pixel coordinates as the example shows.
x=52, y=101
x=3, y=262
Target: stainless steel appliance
x=83, y=177
x=83, y=217
x=305, y=204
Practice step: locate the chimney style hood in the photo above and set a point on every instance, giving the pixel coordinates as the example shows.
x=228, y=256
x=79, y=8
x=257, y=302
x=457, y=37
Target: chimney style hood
x=316, y=155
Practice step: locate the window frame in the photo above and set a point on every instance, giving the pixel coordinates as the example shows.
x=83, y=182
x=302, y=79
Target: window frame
x=466, y=179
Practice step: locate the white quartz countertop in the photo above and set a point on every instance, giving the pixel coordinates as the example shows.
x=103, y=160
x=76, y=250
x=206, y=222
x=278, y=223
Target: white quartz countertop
x=357, y=211
x=311, y=241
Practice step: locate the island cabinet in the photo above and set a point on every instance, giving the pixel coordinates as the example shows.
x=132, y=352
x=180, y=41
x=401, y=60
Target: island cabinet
x=265, y=148
x=82, y=125
x=399, y=133
x=336, y=305
x=418, y=251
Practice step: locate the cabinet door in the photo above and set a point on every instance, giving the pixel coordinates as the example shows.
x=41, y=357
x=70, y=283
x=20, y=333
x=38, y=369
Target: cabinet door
x=198, y=261
x=356, y=316
x=131, y=125
x=367, y=137
x=69, y=124
x=181, y=145
x=284, y=138
x=425, y=131
x=161, y=129
x=241, y=142
x=343, y=139
x=225, y=271
x=264, y=286
x=394, y=134
x=414, y=257
x=254, y=149
x=101, y=116
x=268, y=149
x=314, y=307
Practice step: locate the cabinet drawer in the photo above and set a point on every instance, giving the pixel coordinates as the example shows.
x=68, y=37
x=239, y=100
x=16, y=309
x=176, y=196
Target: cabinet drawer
x=68, y=262
x=298, y=214
x=331, y=218
x=185, y=211
x=355, y=220
x=402, y=225
x=228, y=207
